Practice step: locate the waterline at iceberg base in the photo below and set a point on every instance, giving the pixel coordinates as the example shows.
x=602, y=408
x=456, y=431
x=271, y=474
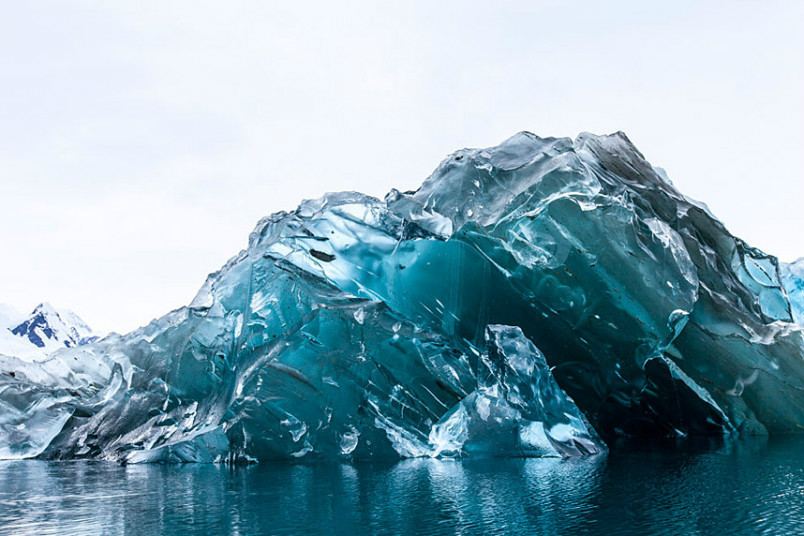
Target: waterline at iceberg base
x=540, y=298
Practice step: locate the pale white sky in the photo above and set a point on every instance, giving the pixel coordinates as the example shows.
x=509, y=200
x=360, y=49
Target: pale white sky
x=141, y=141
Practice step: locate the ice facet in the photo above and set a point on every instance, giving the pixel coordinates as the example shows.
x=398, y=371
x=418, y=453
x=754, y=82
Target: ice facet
x=674, y=400
x=793, y=280
x=517, y=409
x=359, y=328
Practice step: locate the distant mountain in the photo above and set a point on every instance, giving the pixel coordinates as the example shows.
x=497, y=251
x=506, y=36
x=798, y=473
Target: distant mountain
x=45, y=330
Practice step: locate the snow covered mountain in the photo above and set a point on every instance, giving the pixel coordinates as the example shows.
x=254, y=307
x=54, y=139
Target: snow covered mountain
x=45, y=330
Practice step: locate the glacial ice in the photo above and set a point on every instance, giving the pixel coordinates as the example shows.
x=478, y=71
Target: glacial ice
x=517, y=408
x=793, y=281
x=527, y=299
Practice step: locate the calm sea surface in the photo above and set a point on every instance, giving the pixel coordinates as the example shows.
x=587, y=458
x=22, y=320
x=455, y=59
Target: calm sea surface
x=744, y=487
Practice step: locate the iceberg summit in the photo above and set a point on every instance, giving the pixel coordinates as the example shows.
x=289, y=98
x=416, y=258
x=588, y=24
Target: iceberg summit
x=540, y=298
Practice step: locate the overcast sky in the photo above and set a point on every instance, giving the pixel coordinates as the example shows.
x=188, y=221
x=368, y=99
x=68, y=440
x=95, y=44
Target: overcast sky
x=141, y=141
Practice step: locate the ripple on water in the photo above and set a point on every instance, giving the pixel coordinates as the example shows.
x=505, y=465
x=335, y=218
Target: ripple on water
x=751, y=486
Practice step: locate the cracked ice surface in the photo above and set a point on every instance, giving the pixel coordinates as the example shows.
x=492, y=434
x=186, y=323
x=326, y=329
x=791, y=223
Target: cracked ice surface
x=793, y=280
x=358, y=328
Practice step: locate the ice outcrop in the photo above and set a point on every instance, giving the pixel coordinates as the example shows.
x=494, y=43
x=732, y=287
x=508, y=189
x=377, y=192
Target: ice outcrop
x=359, y=328
x=517, y=408
x=793, y=280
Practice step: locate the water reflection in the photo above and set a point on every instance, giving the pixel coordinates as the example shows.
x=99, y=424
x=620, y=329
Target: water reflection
x=743, y=487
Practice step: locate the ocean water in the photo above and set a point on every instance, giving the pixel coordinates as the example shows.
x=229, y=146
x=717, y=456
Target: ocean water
x=747, y=486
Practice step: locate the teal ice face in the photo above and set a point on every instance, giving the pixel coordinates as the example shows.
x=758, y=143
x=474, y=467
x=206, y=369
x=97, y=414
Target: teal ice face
x=793, y=281
x=527, y=299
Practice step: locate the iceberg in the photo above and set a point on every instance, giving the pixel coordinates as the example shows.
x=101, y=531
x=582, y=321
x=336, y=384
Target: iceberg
x=538, y=298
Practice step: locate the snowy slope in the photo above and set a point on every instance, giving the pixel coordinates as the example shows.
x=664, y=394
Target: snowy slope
x=9, y=317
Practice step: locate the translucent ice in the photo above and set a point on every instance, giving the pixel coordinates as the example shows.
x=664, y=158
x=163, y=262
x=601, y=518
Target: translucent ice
x=357, y=328
x=517, y=408
x=793, y=279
